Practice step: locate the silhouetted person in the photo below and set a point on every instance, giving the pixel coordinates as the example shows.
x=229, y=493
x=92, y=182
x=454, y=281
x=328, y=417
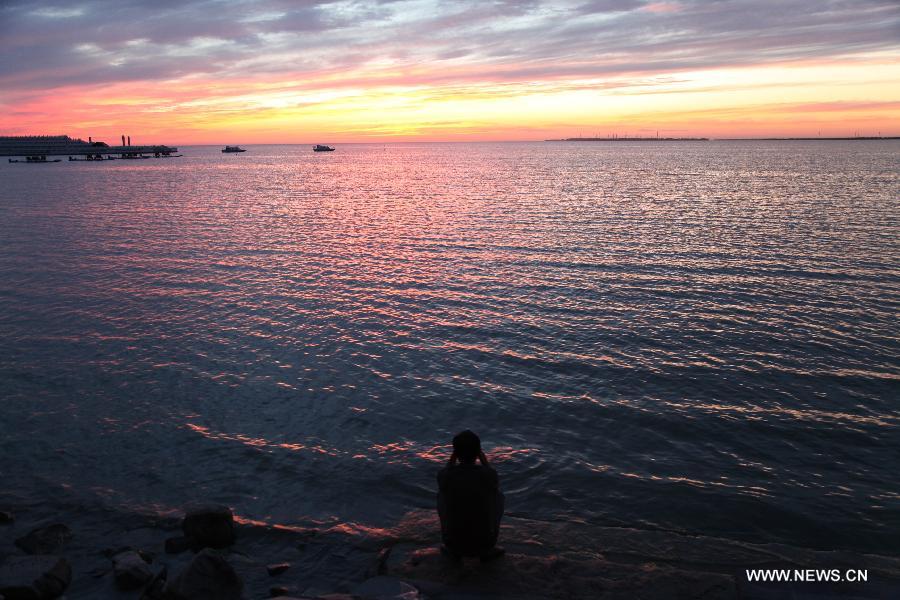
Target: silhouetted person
x=470, y=503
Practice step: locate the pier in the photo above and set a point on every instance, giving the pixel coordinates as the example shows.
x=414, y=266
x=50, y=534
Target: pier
x=63, y=145
x=124, y=151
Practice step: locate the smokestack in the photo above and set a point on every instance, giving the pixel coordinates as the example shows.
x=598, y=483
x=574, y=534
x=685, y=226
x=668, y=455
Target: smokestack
x=90, y=141
x=123, y=140
x=129, y=140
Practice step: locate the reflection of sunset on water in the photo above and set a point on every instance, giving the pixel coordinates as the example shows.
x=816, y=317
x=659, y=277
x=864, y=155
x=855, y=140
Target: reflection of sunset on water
x=257, y=442
x=602, y=315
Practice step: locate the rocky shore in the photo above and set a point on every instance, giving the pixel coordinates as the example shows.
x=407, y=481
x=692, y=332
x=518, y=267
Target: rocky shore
x=206, y=553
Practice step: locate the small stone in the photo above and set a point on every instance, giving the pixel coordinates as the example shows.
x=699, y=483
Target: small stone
x=400, y=555
x=34, y=577
x=6, y=517
x=131, y=571
x=177, y=545
x=208, y=525
x=45, y=540
x=278, y=569
x=379, y=567
x=207, y=577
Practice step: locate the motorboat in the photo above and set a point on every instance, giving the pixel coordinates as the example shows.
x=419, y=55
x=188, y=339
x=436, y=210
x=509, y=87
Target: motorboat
x=230, y=149
x=322, y=148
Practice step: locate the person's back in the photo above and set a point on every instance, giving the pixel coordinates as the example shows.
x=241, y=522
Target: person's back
x=469, y=501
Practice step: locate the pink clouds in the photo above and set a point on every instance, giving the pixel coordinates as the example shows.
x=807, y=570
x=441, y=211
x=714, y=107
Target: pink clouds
x=96, y=63
x=661, y=7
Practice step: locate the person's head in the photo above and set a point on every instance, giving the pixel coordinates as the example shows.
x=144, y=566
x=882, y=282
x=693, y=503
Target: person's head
x=467, y=446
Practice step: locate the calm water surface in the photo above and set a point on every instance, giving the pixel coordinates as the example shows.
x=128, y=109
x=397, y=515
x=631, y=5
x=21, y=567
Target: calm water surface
x=699, y=337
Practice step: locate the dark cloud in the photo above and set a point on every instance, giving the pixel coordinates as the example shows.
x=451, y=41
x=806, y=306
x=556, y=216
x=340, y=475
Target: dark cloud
x=51, y=44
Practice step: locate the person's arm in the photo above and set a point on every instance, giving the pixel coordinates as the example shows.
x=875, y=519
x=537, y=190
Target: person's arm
x=453, y=459
x=483, y=458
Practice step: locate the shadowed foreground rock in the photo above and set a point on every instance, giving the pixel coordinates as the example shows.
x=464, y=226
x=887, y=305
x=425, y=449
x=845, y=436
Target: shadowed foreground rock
x=45, y=540
x=34, y=577
x=207, y=577
x=131, y=571
x=208, y=526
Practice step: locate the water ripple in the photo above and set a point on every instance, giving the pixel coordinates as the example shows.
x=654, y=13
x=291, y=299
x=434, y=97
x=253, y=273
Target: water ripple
x=638, y=332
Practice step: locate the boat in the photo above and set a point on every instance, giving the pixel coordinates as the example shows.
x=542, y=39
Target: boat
x=233, y=149
x=322, y=148
x=34, y=159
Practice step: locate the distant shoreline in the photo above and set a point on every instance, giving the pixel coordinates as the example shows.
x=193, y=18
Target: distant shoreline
x=631, y=139
x=703, y=139
x=793, y=139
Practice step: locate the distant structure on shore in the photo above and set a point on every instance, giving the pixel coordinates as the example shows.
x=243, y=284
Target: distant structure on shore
x=616, y=138
x=792, y=139
x=48, y=145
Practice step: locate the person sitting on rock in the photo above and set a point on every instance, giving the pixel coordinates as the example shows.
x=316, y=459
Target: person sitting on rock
x=470, y=503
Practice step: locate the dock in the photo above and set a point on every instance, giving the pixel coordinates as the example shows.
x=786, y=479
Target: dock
x=124, y=151
x=63, y=145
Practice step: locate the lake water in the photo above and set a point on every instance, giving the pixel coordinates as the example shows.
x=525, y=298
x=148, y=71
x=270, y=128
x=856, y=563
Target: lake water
x=693, y=337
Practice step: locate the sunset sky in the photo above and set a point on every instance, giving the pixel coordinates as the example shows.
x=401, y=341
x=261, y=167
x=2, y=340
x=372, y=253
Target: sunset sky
x=285, y=71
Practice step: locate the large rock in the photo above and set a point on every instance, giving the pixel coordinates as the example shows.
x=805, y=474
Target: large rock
x=34, y=577
x=130, y=570
x=208, y=525
x=45, y=540
x=207, y=577
x=156, y=589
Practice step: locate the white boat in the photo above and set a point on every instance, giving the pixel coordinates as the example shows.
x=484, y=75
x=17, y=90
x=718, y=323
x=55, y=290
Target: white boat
x=322, y=148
